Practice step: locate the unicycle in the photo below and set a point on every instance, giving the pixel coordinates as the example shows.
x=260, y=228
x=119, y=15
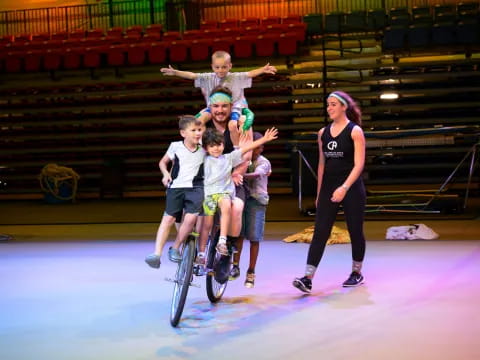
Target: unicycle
x=218, y=269
x=183, y=278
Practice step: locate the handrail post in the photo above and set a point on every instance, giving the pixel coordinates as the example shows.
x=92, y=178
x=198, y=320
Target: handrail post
x=110, y=12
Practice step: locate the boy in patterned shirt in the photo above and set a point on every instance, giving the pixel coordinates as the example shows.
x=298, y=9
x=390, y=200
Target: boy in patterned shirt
x=235, y=81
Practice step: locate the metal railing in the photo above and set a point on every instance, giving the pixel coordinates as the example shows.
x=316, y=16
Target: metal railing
x=111, y=13
x=91, y=16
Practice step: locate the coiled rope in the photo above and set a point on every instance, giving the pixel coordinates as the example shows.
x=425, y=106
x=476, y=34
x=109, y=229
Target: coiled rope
x=53, y=177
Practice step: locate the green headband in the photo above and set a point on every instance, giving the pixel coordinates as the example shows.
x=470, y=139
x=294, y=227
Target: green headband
x=220, y=97
x=339, y=98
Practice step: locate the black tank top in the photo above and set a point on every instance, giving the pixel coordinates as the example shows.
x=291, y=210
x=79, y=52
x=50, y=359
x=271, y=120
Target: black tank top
x=338, y=152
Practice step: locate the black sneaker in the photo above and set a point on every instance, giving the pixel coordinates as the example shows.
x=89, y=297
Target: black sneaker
x=234, y=273
x=304, y=284
x=354, y=279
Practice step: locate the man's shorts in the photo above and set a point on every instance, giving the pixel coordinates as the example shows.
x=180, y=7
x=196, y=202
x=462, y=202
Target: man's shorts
x=210, y=204
x=242, y=192
x=253, y=224
x=188, y=200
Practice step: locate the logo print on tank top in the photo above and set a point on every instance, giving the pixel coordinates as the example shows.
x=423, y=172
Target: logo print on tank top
x=332, y=145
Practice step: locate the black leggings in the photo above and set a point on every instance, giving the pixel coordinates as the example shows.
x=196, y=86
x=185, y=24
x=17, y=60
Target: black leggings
x=353, y=207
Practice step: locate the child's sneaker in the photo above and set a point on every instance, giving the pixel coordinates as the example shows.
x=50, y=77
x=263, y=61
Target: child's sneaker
x=354, y=279
x=222, y=248
x=174, y=255
x=153, y=261
x=199, y=265
x=249, y=116
x=250, y=280
x=304, y=284
x=234, y=272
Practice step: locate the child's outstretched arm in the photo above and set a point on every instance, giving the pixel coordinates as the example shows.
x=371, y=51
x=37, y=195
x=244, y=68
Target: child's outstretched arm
x=170, y=71
x=267, y=69
x=270, y=134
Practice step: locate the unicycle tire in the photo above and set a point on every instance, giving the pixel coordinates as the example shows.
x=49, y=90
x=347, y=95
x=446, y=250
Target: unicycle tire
x=183, y=277
x=215, y=289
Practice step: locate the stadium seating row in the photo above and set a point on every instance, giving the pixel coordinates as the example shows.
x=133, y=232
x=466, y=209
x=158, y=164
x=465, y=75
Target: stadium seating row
x=463, y=33
x=71, y=58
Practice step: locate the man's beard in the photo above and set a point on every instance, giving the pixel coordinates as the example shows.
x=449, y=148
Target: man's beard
x=220, y=114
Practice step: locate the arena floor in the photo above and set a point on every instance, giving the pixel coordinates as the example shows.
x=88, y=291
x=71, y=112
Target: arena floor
x=82, y=291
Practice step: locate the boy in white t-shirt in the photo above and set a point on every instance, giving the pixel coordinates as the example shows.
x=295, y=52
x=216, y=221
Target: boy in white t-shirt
x=184, y=187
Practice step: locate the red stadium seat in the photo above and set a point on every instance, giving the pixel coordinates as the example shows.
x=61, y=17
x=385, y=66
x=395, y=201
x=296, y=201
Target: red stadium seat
x=243, y=46
x=200, y=49
x=300, y=29
x=154, y=28
x=52, y=59
x=151, y=37
x=77, y=34
x=255, y=30
x=265, y=45
x=5, y=39
x=41, y=37
x=232, y=32
x=192, y=34
x=134, y=29
x=23, y=38
x=178, y=50
x=136, y=54
x=92, y=57
x=208, y=24
x=95, y=33
x=157, y=53
x=270, y=20
x=132, y=37
x=115, y=32
x=116, y=55
x=277, y=29
x=72, y=58
x=228, y=23
x=249, y=21
x=62, y=35
x=212, y=33
x=171, y=36
x=32, y=60
x=222, y=44
x=287, y=44
x=291, y=19
x=34, y=45
x=13, y=62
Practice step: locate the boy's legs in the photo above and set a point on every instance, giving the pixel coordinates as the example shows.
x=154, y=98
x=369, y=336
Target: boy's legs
x=185, y=229
x=207, y=224
x=192, y=205
x=236, y=216
x=234, y=131
x=254, y=231
x=225, y=205
x=153, y=260
x=254, y=250
x=163, y=232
